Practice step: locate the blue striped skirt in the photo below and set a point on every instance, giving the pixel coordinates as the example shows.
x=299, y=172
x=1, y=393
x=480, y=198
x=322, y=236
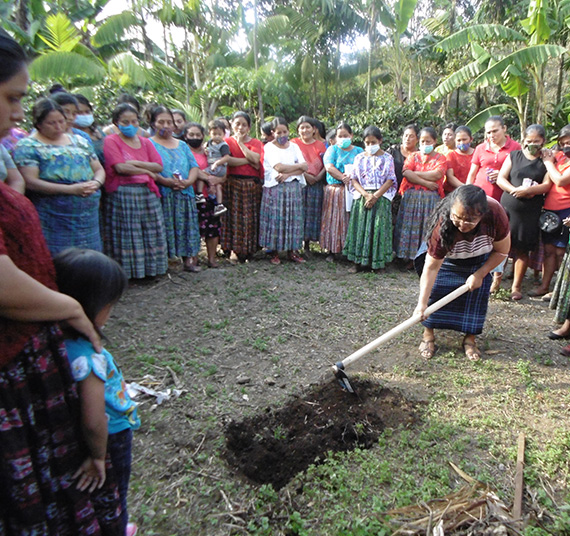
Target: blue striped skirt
x=313, y=195
x=134, y=231
x=415, y=209
x=69, y=221
x=181, y=224
x=468, y=312
x=281, y=217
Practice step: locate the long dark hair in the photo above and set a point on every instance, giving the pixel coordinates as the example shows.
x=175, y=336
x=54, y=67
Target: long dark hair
x=471, y=197
x=12, y=57
x=42, y=108
x=90, y=277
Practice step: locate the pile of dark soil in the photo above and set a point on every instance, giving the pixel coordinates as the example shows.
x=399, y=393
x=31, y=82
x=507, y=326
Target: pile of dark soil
x=276, y=445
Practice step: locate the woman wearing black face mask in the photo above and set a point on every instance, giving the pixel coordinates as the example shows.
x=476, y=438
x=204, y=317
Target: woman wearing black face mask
x=209, y=223
x=524, y=181
x=558, y=201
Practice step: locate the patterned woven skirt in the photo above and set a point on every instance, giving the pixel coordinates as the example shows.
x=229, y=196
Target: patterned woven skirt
x=560, y=300
x=281, y=217
x=134, y=231
x=369, y=237
x=69, y=221
x=334, y=222
x=468, y=312
x=415, y=210
x=40, y=450
x=313, y=196
x=181, y=224
x=240, y=224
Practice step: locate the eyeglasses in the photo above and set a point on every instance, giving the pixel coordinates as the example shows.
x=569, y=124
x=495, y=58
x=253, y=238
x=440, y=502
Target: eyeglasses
x=456, y=219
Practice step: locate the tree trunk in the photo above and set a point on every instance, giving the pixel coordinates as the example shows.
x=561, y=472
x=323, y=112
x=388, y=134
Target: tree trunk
x=255, y=59
x=560, y=78
x=337, y=74
x=22, y=15
x=186, y=84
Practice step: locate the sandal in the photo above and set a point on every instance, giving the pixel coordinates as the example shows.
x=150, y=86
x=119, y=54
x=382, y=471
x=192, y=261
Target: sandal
x=275, y=260
x=537, y=292
x=471, y=351
x=428, y=348
x=192, y=268
x=516, y=295
x=296, y=258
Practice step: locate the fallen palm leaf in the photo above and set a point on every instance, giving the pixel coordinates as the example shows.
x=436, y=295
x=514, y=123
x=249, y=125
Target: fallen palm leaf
x=475, y=508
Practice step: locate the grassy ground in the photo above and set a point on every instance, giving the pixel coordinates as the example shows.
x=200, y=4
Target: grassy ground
x=240, y=339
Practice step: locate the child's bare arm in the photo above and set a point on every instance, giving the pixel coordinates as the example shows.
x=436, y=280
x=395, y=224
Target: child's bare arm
x=91, y=473
x=221, y=161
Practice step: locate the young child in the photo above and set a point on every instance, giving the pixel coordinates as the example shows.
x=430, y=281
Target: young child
x=108, y=415
x=218, y=152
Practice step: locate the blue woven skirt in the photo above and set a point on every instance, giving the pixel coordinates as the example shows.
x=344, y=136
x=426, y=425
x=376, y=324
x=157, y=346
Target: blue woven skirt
x=181, y=224
x=415, y=210
x=313, y=195
x=468, y=312
x=281, y=217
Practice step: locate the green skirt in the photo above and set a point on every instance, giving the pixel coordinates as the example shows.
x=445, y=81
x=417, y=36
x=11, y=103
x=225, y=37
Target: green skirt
x=369, y=237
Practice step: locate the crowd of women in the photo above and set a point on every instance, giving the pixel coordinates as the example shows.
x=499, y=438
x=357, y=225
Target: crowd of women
x=144, y=196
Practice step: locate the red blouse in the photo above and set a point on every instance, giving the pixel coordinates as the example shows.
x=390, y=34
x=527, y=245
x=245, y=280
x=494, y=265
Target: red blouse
x=558, y=197
x=460, y=163
x=485, y=158
x=421, y=162
x=313, y=154
x=21, y=239
x=246, y=170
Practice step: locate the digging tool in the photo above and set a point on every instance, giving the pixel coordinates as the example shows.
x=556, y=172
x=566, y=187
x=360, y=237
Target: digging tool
x=338, y=368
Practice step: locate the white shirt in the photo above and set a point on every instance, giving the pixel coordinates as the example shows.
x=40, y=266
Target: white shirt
x=274, y=155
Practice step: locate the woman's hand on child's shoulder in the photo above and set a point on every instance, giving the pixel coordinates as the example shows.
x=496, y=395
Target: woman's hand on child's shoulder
x=91, y=475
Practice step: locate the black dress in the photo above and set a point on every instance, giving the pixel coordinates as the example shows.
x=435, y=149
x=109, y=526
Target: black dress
x=524, y=212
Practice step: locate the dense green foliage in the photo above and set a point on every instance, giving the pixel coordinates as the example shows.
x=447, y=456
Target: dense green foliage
x=366, y=61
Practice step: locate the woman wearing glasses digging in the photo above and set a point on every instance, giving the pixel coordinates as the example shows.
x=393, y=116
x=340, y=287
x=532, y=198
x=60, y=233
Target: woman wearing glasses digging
x=467, y=236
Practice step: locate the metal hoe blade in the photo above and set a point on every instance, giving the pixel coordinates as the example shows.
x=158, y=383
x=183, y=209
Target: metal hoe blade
x=342, y=378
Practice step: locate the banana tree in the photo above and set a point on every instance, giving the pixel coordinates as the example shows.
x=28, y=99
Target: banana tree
x=516, y=73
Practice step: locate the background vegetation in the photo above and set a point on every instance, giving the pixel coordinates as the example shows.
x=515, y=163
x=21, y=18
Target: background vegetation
x=379, y=61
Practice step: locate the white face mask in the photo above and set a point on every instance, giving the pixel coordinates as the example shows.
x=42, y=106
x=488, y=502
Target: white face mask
x=373, y=149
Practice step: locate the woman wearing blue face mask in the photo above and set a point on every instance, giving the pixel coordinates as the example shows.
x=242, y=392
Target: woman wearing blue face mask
x=85, y=121
x=421, y=189
x=459, y=160
x=334, y=221
x=369, y=238
x=134, y=224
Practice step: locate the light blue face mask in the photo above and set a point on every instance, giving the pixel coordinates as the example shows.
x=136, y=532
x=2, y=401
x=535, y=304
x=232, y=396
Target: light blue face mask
x=343, y=143
x=84, y=121
x=130, y=131
x=426, y=149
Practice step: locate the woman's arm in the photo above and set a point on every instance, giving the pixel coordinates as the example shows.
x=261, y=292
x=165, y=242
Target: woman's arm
x=15, y=180
x=153, y=167
x=503, y=180
x=473, y=170
x=94, y=425
x=299, y=167
x=234, y=161
x=414, y=178
x=427, y=280
x=560, y=179
x=498, y=255
x=452, y=179
x=252, y=157
x=432, y=176
x=25, y=299
x=35, y=184
x=98, y=172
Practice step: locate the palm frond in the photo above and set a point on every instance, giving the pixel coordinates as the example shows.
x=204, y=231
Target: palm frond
x=479, y=33
x=66, y=66
x=114, y=28
x=478, y=121
x=455, y=80
x=534, y=56
x=59, y=33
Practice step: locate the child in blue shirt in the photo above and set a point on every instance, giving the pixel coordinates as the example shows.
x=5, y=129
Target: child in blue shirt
x=108, y=415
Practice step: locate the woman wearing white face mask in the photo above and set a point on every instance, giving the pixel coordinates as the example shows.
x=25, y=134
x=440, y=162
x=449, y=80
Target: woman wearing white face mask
x=85, y=121
x=334, y=221
x=421, y=189
x=369, y=237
